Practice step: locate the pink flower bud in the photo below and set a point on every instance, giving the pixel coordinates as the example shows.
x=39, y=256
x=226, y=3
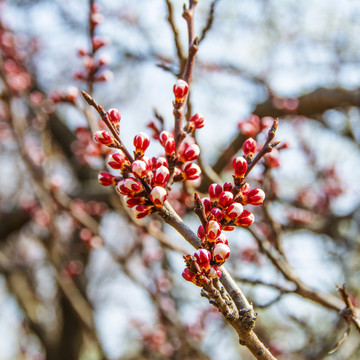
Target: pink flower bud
x=228, y=186
x=158, y=196
x=149, y=163
x=240, y=166
x=161, y=176
x=220, y=253
x=160, y=161
x=132, y=201
x=226, y=198
x=197, y=121
x=233, y=211
x=130, y=186
x=216, y=214
x=191, y=171
x=164, y=135
x=214, y=272
x=190, y=153
x=215, y=191
x=114, y=117
x=249, y=147
x=213, y=230
x=98, y=42
x=245, y=219
x=207, y=205
x=104, y=138
x=106, y=75
x=140, y=211
x=201, y=233
x=118, y=161
x=255, y=197
x=222, y=239
x=169, y=146
x=141, y=143
x=202, y=258
x=180, y=90
x=228, y=228
x=139, y=168
x=190, y=276
x=106, y=179
x=245, y=189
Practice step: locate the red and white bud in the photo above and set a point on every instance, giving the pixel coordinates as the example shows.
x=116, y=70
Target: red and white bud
x=180, y=90
x=240, y=166
x=226, y=198
x=222, y=239
x=233, y=211
x=220, y=253
x=191, y=171
x=149, y=163
x=164, y=135
x=229, y=228
x=140, y=211
x=169, y=146
x=106, y=179
x=139, y=168
x=202, y=259
x=141, y=143
x=245, y=189
x=104, y=138
x=98, y=42
x=214, y=272
x=213, y=230
x=215, y=190
x=160, y=161
x=190, y=276
x=161, y=176
x=158, y=196
x=249, y=147
x=190, y=153
x=114, y=117
x=201, y=233
x=216, y=214
x=130, y=186
x=255, y=197
x=197, y=121
x=132, y=201
x=228, y=186
x=245, y=219
x=207, y=205
x=118, y=161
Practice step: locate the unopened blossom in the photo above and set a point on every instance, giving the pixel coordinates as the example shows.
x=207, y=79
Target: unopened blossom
x=213, y=230
x=169, y=146
x=233, y=211
x=106, y=179
x=130, y=186
x=158, y=196
x=180, y=90
x=118, y=161
x=201, y=233
x=196, y=121
x=220, y=253
x=132, y=201
x=114, y=117
x=255, y=197
x=161, y=176
x=141, y=143
x=202, y=259
x=190, y=276
x=216, y=214
x=245, y=219
x=164, y=136
x=240, y=166
x=140, y=211
x=139, y=168
x=190, y=153
x=191, y=172
x=104, y=138
x=215, y=191
x=214, y=272
x=160, y=161
x=226, y=198
x=249, y=147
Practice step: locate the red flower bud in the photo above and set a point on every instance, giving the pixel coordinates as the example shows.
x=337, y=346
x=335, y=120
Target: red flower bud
x=158, y=196
x=245, y=219
x=140, y=211
x=180, y=90
x=233, y=211
x=202, y=259
x=201, y=233
x=139, y=168
x=190, y=276
x=240, y=166
x=213, y=230
x=169, y=146
x=141, y=143
x=226, y=198
x=220, y=253
x=228, y=186
x=104, y=138
x=207, y=205
x=216, y=214
x=160, y=161
x=114, y=117
x=161, y=176
x=255, y=197
x=190, y=153
x=197, y=121
x=132, y=201
x=249, y=147
x=164, y=135
x=214, y=272
x=118, y=161
x=215, y=191
x=106, y=179
x=130, y=186
x=222, y=239
x=191, y=172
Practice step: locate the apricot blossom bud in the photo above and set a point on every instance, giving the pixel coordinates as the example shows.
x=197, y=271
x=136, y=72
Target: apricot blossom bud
x=215, y=191
x=164, y=135
x=130, y=186
x=214, y=272
x=169, y=146
x=228, y=186
x=141, y=143
x=160, y=161
x=233, y=211
x=140, y=211
x=106, y=179
x=139, y=168
x=240, y=166
x=201, y=233
x=114, y=117
x=197, y=121
x=202, y=259
x=216, y=214
x=132, y=201
x=161, y=176
x=249, y=147
x=226, y=198
x=104, y=138
x=220, y=253
x=255, y=197
x=222, y=239
x=118, y=161
x=158, y=196
x=245, y=219
x=213, y=230
x=190, y=153
x=180, y=90
x=191, y=171
x=207, y=205
x=188, y=275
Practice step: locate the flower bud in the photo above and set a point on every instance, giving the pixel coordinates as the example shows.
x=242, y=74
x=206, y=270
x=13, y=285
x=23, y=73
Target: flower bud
x=180, y=90
x=191, y=171
x=226, y=198
x=213, y=230
x=104, y=138
x=160, y=161
x=214, y=272
x=140, y=211
x=249, y=147
x=161, y=176
x=228, y=186
x=197, y=121
x=245, y=219
x=222, y=239
x=114, y=117
x=201, y=233
x=130, y=186
x=118, y=161
x=139, y=168
x=190, y=276
x=216, y=214
x=98, y=42
x=106, y=179
x=164, y=135
x=233, y=211
x=132, y=201
x=220, y=253
x=190, y=153
x=255, y=197
x=240, y=166
x=169, y=146
x=215, y=191
x=207, y=205
x=158, y=196
x=202, y=259
x=141, y=143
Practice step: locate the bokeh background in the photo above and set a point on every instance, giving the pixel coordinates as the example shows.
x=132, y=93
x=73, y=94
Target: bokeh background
x=79, y=279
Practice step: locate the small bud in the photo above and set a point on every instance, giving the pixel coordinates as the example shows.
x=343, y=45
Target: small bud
x=141, y=143
x=139, y=168
x=255, y=197
x=215, y=191
x=197, y=121
x=245, y=219
x=169, y=146
x=233, y=211
x=164, y=135
x=140, y=211
x=228, y=186
x=130, y=186
x=180, y=90
x=160, y=161
x=207, y=205
x=201, y=233
x=249, y=147
x=98, y=42
x=216, y=214
x=118, y=161
x=191, y=171
x=132, y=201
x=161, y=176
x=202, y=258
x=222, y=239
x=240, y=166
x=226, y=198
x=104, y=138
x=114, y=117
x=190, y=153
x=106, y=179
x=214, y=272
x=190, y=276
x=220, y=253
x=213, y=230
x=158, y=196
x=106, y=75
